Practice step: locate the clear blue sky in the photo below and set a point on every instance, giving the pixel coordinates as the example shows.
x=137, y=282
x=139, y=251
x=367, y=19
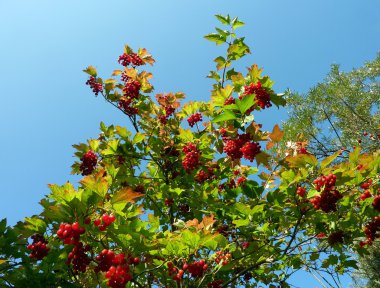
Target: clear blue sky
x=45, y=106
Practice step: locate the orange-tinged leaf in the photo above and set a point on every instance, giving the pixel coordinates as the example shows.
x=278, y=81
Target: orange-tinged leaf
x=116, y=72
x=301, y=160
x=207, y=222
x=2, y=261
x=125, y=195
x=270, y=145
x=276, y=134
x=145, y=56
x=254, y=72
x=96, y=182
x=192, y=223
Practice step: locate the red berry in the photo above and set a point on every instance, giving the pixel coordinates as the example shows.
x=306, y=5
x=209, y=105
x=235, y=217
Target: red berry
x=194, y=119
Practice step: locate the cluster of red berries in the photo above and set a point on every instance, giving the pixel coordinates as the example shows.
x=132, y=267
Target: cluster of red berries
x=70, y=233
x=376, y=203
x=328, y=198
x=197, y=268
x=89, y=161
x=203, y=175
x=366, y=194
x=367, y=184
x=245, y=245
x=131, y=58
x=336, y=237
x=301, y=191
x=223, y=257
x=169, y=110
x=262, y=95
x=38, y=247
x=229, y=101
x=197, y=117
x=241, y=181
x=176, y=273
x=191, y=160
x=241, y=147
x=169, y=202
x=116, y=267
x=131, y=92
x=105, y=221
x=78, y=257
x=371, y=231
x=95, y=86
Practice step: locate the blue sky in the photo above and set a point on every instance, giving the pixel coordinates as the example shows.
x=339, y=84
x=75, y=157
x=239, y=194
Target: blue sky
x=45, y=106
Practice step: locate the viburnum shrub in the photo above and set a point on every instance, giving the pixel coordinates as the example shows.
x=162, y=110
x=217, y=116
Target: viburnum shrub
x=162, y=204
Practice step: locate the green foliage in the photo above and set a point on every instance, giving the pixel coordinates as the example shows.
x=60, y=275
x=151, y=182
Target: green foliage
x=169, y=195
x=343, y=111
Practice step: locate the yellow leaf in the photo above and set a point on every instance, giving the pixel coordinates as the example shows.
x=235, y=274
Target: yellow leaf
x=2, y=261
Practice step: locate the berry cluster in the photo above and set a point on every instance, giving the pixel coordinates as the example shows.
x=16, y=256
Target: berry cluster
x=131, y=92
x=367, y=184
x=329, y=196
x=376, y=203
x=78, y=257
x=241, y=181
x=131, y=58
x=70, y=233
x=89, y=161
x=301, y=192
x=168, y=103
x=223, y=257
x=336, y=237
x=38, y=247
x=169, y=202
x=105, y=221
x=192, y=157
x=184, y=208
x=366, y=194
x=95, y=86
x=262, y=95
x=245, y=245
x=371, y=231
x=176, y=273
x=241, y=147
x=197, y=268
x=229, y=101
x=197, y=117
x=250, y=150
x=169, y=110
x=118, y=276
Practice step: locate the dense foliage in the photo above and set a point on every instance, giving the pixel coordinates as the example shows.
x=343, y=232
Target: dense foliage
x=179, y=202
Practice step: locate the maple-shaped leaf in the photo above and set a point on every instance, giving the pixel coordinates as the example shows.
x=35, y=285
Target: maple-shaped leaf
x=145, y=56
x=254, y=73
x=207, y=222
x=90, y=70
x=96, y=182
x=262, y=158
x=126, y=195
x=276, y=134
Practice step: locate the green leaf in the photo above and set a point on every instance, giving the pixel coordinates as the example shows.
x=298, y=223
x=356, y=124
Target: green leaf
x=223, y=19
x=246, y=103
x=221, y=62
x=241, y=222
x=96, y=183
x=216, y=38
x=328, y=160
x=214, y=75
x=236, y=23
x=91, y=71
x=138, y=138
x=191, y=239
x=227, y=115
